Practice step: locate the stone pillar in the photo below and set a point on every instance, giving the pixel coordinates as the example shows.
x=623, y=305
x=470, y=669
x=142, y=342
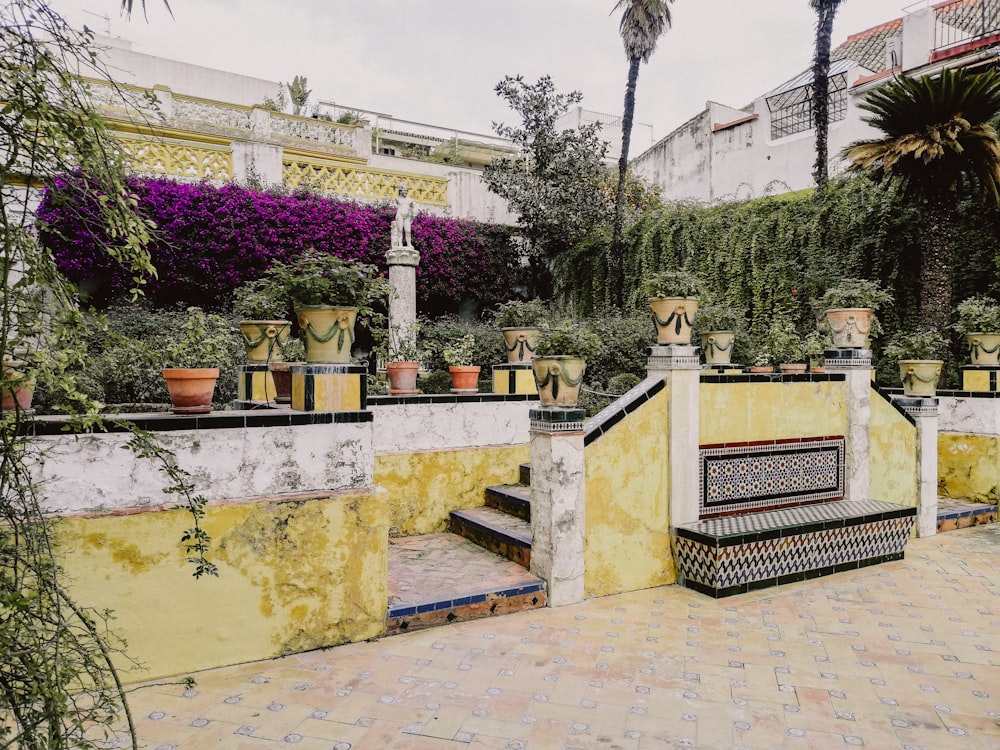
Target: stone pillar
x=403, y=261
x=263, y=158
x=924, y=412
x=680, y=367
x=558, y=502
x=856, y=364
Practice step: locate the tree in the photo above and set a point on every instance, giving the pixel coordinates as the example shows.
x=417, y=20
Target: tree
x=555, y=183
x=642, y=24
x=825, y=12
x=938, y=146
x=299, y=94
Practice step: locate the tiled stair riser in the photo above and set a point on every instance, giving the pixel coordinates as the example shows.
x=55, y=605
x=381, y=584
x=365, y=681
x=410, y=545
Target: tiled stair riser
x=405, y=619
x=491, y=538
x=509, y=500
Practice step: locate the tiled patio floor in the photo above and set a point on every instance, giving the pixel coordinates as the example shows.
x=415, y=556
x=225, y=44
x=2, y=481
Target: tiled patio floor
x=902, y=655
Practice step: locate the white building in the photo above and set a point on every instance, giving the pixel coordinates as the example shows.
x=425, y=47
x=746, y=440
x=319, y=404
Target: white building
x=768, y=146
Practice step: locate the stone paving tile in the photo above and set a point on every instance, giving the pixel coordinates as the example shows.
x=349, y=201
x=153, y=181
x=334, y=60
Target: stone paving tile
x=904, y=655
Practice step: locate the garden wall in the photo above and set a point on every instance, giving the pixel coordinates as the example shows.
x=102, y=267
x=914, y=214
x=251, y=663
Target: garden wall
x=969, y=446
x=892, y=452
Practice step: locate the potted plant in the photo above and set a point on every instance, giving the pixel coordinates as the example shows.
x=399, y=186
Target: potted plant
x=850, y=307
x=919, y=355
x=18, y=386
x=518, y=321
x=561, y=361
x=281, y=371
x=329, y=295
x=458, y=356
x=402, y=357
x=979, y=322
x=717, y=326
x=265, y=331
x=814, y=347
x=673, y=300
x=191, y=360
x=784, y=344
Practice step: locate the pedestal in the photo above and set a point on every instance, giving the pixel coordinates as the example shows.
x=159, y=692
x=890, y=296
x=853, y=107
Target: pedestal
x=980, y=378
x=403, y=261
x=255, y=383
x=558, y=503
x=856, y=364
x=329, y=387
x=924, y=412
x=514, y=378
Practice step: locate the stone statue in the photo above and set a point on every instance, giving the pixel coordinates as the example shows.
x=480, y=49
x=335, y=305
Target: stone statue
x=406, y=209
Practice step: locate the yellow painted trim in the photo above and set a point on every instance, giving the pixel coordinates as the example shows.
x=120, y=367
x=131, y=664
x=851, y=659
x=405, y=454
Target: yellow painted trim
x=318, y=159
x=135, y=131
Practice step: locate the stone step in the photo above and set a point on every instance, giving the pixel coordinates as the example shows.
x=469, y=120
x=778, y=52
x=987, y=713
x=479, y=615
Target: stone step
x=524, y=473
x=437, y=579
x=495, y=531
x=510, y=498
x=954, y=513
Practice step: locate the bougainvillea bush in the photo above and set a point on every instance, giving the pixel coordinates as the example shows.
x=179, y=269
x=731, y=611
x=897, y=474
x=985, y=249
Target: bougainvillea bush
x=209, y=239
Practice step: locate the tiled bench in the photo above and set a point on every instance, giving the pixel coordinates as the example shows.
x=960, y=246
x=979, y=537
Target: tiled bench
x=739, y=553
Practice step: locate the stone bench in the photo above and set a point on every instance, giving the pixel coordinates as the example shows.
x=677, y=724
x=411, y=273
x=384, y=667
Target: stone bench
x=734, y=554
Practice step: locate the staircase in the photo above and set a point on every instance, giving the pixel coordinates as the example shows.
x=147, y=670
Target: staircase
x=956, y=514
x=479, y=569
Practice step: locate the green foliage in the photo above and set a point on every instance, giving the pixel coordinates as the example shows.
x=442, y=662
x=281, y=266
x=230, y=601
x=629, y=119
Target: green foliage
x=623, y=383
x=555, y=184
x=440, y=333
x=201, y=340
x=919, y=344
x=980, y=314
x=461, y=352
x=622, y=347
x=675, y=283
x=277, y=104
x=719, y=317
x=567, y=338
x=256, y=302
x=782, y=344
x=299, y=94
x=850, y=293
x=521, y=314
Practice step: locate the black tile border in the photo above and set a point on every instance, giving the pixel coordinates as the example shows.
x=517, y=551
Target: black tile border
x=607, y=418
x=947, y=393
x=216, y=420
x=886, y=394
x=408, y=609
x=500, y=533
x=775, y=377
x=451, y=398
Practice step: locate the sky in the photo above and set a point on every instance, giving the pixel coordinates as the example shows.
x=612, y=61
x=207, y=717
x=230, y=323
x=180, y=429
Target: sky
x=438, y=61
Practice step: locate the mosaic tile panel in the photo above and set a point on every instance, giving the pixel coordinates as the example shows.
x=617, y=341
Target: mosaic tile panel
x=751, y=477
x=725, y=556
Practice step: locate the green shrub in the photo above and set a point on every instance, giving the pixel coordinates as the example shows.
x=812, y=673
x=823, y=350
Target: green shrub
x=436, y=335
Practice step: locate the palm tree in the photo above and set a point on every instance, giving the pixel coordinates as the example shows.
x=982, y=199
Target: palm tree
x=641, y=26
x=938, y=146
x=825, y=12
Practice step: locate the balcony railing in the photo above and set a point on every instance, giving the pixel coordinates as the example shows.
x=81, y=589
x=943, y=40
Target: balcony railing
x=964, y=23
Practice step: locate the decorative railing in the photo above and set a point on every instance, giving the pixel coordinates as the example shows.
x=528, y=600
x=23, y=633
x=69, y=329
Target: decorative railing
x=320, y=131
x=965, y=21
x=362, y=182
x=212, y=113
x=175, y=158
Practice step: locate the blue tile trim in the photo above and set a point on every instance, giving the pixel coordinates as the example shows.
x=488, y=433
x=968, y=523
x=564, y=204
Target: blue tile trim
x=218, y=420
x=624, y=405
x=884, y=393
x=404, y=610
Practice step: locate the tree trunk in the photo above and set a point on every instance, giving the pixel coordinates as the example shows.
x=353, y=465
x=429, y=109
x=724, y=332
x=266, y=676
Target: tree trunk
x=935, y=264
x=825, y=12
x=616, y=274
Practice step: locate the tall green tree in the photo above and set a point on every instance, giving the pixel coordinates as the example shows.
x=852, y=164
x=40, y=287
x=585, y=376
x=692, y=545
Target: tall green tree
x=938, y=146
x=299, y=92
x=826, y=10
x=555, y=184
x=643, y=23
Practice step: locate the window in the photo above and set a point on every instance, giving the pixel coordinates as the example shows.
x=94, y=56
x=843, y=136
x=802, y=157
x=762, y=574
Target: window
x=792, y=111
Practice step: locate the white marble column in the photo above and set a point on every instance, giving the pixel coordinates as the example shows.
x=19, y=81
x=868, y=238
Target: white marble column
x=856, y=364
x=558, y=503
x=924, y=412
x=403, y=261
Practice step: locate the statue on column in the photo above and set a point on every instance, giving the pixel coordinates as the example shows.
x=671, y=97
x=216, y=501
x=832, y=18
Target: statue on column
x=406, y=209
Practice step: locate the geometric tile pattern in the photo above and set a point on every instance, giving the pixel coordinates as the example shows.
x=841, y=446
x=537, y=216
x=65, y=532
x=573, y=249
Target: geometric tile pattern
x=748, y=477
x=903, y=655
x=732, y=555
x=960, y=514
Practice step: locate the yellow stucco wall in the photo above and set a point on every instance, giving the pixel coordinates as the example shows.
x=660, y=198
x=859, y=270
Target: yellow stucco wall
x=892, y=451
x=425, y=486
x=627, y=544
x=969, y=466
x=293, y=575
x=741, y=412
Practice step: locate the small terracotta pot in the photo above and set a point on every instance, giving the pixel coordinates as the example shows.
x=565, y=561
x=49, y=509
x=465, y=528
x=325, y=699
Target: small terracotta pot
x=19, y=396
x=191, y=389
x=673, y=317
x=402, y=378
x=851, y=327
x=281, y=375
x=464, y=379
x=521, y=344
x=792, y=368
x=758, y=369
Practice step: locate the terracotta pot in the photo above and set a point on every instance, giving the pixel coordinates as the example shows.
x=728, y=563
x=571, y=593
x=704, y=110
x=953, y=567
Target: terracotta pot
x=521, y=344
x=673, y=317
x=558, y=380
x=464, y=379
x=792, y=368
x=191, y=389
x=402, y=377
x=264, y=339
x=920, y=376
x=984, y=348
x=759, y=369
x=851, y=327
x=718, y=347
x=329, y=332
x=281, y=375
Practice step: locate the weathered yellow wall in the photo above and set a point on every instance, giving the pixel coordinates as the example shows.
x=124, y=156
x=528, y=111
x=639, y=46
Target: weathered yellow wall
x=892, y=451
x=425, y=486
x=293, y=576
x=741, y=412
x=627, y=544
x=969, y=466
